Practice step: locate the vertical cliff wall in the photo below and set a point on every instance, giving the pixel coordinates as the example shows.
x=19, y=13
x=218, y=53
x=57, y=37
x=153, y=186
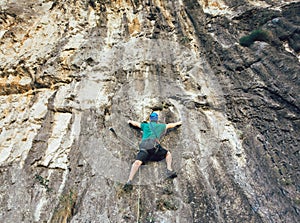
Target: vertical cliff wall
x=70, y=70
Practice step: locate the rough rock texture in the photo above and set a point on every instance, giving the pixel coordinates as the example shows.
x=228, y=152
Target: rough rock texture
x=70, y=70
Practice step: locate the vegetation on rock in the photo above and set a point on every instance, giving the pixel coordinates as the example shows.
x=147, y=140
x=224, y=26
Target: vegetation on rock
x=255, y=35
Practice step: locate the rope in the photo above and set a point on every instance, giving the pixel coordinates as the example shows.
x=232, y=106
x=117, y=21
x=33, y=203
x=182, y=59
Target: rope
x=125, y=139
x=139, y=198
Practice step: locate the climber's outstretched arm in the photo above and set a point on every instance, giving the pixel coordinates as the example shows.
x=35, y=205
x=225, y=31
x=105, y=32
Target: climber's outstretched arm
x=134, y=123
x=172, y=125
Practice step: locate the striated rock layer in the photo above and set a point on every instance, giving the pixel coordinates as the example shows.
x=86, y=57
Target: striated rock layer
x=70, y=70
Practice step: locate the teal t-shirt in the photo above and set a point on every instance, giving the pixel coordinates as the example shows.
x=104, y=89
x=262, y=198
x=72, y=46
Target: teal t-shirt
x=159, y=129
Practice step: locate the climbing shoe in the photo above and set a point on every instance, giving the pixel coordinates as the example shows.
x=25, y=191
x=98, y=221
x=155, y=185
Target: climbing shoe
x=171, y=174
x=128, y=186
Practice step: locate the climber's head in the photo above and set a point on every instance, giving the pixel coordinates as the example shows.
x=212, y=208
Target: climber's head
x=154, y=117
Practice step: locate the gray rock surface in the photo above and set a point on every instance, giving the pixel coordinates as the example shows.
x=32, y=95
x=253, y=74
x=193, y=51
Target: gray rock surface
x=70, y=70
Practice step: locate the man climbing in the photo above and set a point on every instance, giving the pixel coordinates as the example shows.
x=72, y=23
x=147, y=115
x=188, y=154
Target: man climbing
x=150, y=149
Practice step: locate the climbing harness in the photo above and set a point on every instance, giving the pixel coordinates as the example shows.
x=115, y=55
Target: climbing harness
x=157, y=145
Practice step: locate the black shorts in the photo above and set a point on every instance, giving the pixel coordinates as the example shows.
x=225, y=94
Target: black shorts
x=152, y=154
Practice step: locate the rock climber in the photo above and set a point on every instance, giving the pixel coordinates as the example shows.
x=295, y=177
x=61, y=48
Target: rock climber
x=150, y=148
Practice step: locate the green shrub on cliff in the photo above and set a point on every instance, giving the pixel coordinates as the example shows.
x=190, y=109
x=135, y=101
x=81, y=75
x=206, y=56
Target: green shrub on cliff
x=255, y=35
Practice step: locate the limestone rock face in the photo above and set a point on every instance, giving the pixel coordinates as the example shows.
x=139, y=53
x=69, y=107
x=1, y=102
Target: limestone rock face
x=71, y=70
